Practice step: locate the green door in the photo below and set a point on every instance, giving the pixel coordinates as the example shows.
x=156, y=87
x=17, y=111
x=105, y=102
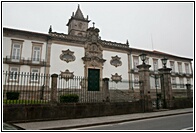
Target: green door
x=93, y=79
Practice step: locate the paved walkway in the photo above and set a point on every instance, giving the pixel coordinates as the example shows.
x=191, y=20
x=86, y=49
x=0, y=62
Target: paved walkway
x=76, y=123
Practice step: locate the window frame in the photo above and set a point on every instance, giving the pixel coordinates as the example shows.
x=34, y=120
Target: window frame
x=173, y=68
x=136, y=80
x=16, y=42
x=155, y=60
x=135, y=62
x=36, y=44
x=9, y=74
x=32, y=74
x=180, y=67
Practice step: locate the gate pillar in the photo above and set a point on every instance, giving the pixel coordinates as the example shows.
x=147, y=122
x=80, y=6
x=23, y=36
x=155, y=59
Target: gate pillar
x=53, y=94
x=106, y=89
x=144, y=80
x=166, y=88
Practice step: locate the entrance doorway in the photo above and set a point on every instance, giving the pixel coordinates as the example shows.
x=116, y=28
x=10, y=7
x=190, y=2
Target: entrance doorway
x=93, y=79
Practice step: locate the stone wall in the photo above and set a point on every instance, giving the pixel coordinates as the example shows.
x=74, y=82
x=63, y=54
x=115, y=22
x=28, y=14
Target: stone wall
x=25, y=113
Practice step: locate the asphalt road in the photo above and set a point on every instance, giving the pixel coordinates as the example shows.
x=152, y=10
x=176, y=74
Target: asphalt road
x=176, y=122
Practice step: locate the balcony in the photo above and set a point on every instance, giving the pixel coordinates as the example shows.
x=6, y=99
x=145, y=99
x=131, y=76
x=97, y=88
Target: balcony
x=23, y=61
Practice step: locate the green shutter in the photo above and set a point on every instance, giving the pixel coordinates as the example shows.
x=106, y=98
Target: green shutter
x=93, y=79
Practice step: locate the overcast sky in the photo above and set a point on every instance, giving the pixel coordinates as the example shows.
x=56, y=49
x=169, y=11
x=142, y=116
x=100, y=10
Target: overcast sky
x=166, y=27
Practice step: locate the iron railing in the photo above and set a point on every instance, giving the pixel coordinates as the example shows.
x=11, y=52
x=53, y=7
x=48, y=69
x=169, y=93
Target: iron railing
x=32, y=88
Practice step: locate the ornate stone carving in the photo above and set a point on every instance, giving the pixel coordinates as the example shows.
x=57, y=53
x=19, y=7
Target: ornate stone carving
x=67, y=75
x=116, y=78
x=67, y=56
x=115, y=61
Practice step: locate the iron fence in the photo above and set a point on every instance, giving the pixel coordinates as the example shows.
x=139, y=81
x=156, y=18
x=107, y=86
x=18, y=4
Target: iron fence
x=79, y=85
x=32, y=87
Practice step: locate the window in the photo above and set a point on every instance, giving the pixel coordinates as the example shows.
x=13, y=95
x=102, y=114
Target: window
x=135, y=62
x=173, y=82
x=34, y=74
x=13, y=75
x=155, y=64
x=181, y=83
x=16, y=50
x=36, y=53
x=157, y=84
x=172, y=65
x=188, y=81
x=187, y=68
x=147, y=61
x=136, y=80
x=179, y=67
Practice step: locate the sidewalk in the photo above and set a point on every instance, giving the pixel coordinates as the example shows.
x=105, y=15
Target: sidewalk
x=76, y=123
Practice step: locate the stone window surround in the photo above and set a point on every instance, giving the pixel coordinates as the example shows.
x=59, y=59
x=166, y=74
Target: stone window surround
x=20, y=42
x=32, y=81
x=180, y=67
x=13, y=66
x=134, y=57
x=38, y=44
x=155, y=60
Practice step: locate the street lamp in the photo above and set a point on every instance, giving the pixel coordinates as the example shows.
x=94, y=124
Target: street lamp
x=143, y=57
x=164, y=62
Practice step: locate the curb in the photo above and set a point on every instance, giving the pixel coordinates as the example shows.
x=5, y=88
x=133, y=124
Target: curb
x=113, y=122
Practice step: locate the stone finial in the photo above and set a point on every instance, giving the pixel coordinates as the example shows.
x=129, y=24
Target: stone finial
x=127, y=42
x=50, y=29
x=93, y=24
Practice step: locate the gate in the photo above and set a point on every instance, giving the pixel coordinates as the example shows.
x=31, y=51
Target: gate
x=157, y=96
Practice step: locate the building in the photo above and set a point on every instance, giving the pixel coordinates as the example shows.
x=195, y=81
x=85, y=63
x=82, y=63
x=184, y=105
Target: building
x=82, y=52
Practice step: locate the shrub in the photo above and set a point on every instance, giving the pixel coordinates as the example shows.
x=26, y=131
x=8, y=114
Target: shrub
x=12, y=95
x=69, y=98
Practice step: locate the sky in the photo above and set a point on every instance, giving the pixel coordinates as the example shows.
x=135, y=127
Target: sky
x=161, y=26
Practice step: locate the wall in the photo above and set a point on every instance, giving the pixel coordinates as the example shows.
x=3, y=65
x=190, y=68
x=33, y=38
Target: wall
x=24, y=113
x=58, y=65
x=109, y=70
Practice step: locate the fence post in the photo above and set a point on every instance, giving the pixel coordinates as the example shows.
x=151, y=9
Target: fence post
x=188, y=90
x=53, y=95
x=106, y=89
x=144, y=77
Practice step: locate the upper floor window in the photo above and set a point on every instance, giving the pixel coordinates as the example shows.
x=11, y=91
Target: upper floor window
x=147, y=60
x=136, y=80
x=188, y=81
x=187, y=68
x=181, y=82
x=135, y=62
x=36, y=52
x=155, y=64
x=179, y=67
x=173, y=82
x=172, y=65
x=16, y=50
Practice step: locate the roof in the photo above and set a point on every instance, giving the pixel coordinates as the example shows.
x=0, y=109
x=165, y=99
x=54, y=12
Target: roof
x=79, y=14
x=161, y=53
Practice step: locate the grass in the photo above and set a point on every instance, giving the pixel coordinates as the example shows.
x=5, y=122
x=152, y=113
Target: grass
x=24, y=101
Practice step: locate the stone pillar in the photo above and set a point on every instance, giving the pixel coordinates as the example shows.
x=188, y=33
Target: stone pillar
x=144, y=77
x=188, y=90
x=166, y=87
x=106, y=89
x=53, y=95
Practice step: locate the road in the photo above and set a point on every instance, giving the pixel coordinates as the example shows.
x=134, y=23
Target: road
x=175, y=122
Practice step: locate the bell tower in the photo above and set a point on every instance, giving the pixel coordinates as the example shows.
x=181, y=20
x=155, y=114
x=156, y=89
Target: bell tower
x=77, y=24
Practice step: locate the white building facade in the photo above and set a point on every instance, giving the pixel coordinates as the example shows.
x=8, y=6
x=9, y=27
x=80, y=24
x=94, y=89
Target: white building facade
x=81, y=52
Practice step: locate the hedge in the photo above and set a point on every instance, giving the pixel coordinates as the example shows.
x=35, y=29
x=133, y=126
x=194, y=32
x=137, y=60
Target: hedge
x=69, y=98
